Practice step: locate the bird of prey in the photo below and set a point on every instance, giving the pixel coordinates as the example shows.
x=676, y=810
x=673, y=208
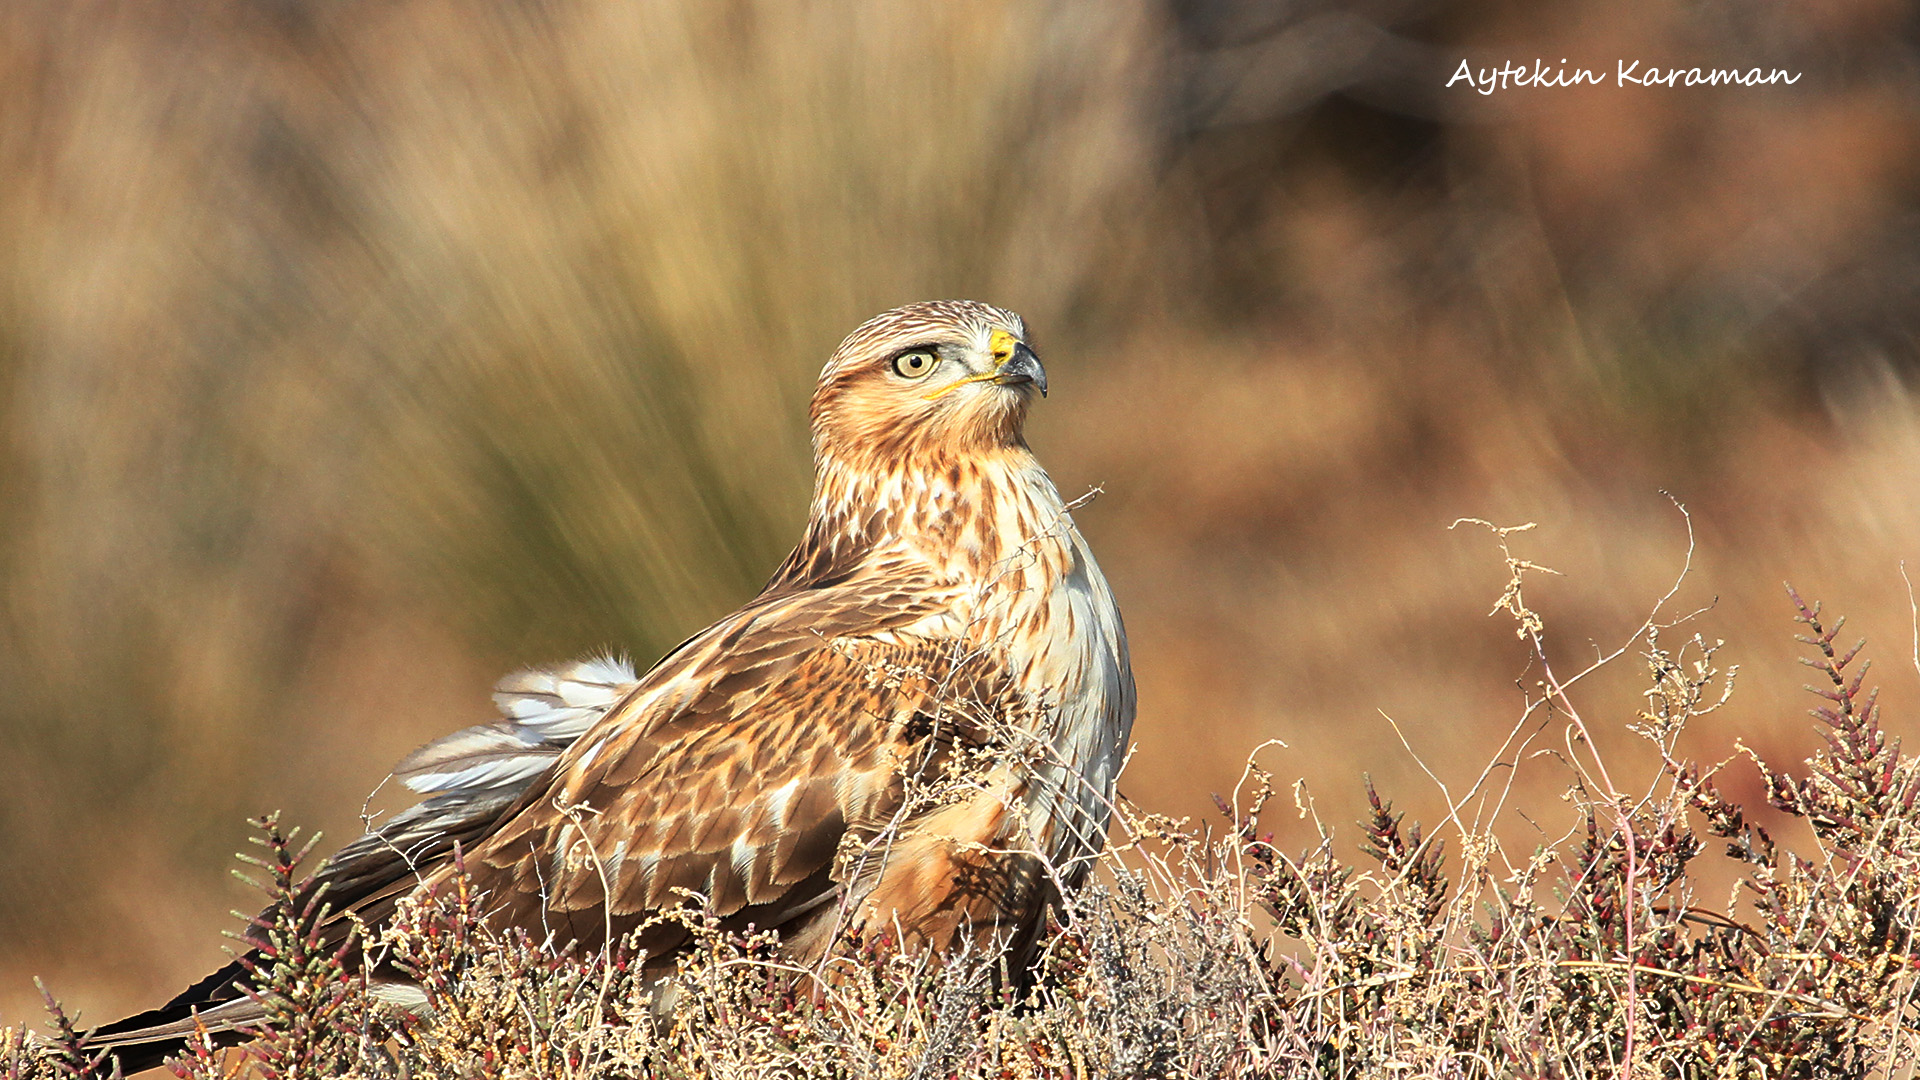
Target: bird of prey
x=940, y=601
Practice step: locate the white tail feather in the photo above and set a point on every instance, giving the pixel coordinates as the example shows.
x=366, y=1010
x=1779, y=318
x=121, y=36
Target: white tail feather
x=478, y=771
x=544, y=711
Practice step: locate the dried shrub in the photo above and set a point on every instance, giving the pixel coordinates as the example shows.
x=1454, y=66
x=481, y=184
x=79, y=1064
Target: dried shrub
x=1200, y=950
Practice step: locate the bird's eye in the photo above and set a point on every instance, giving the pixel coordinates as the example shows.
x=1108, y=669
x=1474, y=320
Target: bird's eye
x=913, y=365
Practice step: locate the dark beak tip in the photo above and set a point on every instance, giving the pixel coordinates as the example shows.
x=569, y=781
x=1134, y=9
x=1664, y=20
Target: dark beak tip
x=1024, y=366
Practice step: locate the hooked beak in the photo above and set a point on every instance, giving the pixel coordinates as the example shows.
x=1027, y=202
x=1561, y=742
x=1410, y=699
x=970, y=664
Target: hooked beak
x=1021, y=367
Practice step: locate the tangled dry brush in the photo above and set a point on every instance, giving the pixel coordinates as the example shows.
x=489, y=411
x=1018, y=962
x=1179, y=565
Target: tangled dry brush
x=1205, y=950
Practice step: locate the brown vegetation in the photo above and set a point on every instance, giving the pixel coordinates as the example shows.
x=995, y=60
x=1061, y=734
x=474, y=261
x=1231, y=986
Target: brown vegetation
x=1210, y=952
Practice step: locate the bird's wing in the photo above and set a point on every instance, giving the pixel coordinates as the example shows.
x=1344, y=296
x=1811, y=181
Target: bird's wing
x=732, y=769
x=732, y=773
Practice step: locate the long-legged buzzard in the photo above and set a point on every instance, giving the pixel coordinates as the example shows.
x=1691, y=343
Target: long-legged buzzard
x=914, y=727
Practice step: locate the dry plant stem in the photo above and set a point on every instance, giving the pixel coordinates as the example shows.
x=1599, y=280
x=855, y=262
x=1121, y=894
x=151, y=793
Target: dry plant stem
x=1913, y=610
x=1531, y=629
x=574, y=813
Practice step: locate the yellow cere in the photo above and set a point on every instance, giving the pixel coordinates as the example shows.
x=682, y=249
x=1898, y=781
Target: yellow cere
x=1001, y=344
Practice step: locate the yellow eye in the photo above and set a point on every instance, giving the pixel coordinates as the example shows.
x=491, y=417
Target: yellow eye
x=913, y=365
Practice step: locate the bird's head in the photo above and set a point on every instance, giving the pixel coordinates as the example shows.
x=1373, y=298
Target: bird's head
x=940, y=378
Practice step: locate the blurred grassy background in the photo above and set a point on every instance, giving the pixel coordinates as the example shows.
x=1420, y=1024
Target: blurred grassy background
x=353, y=354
